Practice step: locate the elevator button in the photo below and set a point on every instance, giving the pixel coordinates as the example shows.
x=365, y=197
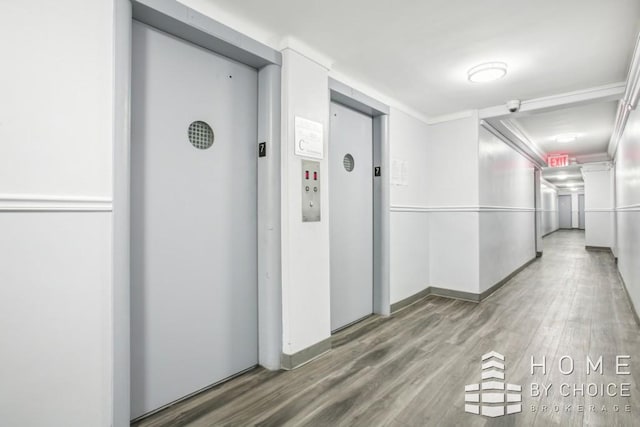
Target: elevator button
x=307, y=188
x=315, y=189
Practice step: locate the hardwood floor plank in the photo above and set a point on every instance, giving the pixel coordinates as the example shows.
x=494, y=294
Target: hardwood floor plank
x=410, y=369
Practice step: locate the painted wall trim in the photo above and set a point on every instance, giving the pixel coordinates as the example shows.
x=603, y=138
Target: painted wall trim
x=41, y=203
x=451, y=117
x=182, y=21
x=514, y=128
x=628, y=102
x=355, y=99
x=406, y=302
x=609, y=92
x=302, y=357
x=628, y=208
x=599, y=249
x=516, y=142
x=480, y=208
x=121, y=256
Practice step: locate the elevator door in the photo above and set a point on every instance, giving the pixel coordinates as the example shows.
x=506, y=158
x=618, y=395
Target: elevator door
x=193, y=219
x=581, y=211
x=564, y=211
x=351, y=218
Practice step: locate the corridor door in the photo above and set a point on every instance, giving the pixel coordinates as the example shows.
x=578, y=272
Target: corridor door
x=351, y=215
x=564, y=211
x=193, y=219
x=581, y=211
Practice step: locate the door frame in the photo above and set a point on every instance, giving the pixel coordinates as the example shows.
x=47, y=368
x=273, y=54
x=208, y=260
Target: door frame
x=582, y=219
x=570, y=211
x=181, y=21
x=349, y=97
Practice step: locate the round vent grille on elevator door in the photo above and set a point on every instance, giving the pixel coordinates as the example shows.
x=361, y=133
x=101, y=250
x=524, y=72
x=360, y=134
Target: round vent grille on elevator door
x=348, y=162
x=200, y=135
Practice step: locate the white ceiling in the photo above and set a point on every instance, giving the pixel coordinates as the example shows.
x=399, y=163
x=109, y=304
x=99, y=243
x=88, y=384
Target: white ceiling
x=564, y=178
x=418, y=51
x=592, y=124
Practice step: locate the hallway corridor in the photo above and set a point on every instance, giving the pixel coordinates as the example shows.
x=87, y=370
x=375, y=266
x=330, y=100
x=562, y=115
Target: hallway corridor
x=410, y=369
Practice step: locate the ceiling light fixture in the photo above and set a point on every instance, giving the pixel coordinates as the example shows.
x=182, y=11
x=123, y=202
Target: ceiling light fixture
x=487, y=72
x=561, y=176
x=569, y=137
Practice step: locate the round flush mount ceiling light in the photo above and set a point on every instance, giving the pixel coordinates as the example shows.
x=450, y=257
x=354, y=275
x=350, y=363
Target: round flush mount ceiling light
x=487, y=72
x=568, y=137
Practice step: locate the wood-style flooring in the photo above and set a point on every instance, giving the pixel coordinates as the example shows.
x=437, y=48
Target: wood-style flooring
x=410, y=369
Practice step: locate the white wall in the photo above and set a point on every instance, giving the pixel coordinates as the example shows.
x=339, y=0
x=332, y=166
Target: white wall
x=467, y=207
x=305, y=246
x=550, y=220
x=409, y=228
x=452, y=168
x=507, y=214
x=598, y=201
x=627, y=175
x=56, y=157
x=434, y=218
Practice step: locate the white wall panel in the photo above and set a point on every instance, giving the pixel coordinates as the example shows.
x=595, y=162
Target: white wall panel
x=410, y=143
x=507, y=241
x=433, y=243
x=305, y=246
x=56, y=132
x=453, y=251
x=452, y=163
x=507, y=226
x=598, y=201
x=55, y=319
x=628, y=206
x=56, y=110
x=409, y=254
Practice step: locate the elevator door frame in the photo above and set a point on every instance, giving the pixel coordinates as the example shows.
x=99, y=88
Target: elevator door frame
x=345, y=95
x=180, y=21
x=332, y=181
x=215, y=350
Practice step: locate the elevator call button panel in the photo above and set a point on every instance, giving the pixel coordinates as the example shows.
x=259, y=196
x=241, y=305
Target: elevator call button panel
x=310, y=191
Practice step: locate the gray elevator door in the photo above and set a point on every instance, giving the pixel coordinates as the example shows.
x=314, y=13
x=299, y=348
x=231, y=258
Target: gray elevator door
x=351, y=215
x=193, y=219
x=564, y=211
x=581, y=211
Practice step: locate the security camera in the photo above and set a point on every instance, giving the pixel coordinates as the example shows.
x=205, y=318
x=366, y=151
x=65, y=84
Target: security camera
x=513, y=105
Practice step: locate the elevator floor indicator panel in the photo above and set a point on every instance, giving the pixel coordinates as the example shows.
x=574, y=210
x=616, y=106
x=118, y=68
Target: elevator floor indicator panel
x=310, y=191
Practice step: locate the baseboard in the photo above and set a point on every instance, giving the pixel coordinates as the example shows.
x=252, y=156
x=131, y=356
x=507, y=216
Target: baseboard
x=551, y=232
x=396, y=306
x=292, y=361
x=484, y=295
x=633, y=307
x=454, y=294
x=599, y=249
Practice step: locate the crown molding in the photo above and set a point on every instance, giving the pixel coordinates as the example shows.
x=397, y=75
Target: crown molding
x=629, y=101
x=609, y=92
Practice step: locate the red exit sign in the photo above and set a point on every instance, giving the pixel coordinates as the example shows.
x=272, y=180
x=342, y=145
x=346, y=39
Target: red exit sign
x=558, y=161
